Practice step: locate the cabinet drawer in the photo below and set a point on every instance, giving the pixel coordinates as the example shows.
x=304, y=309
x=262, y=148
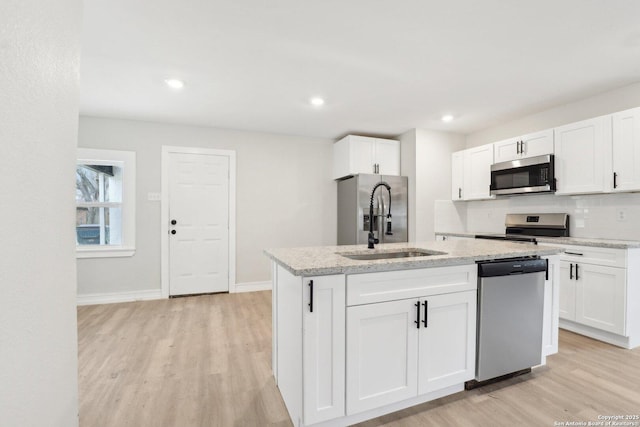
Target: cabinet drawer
x=369, y=288
x=593, y=255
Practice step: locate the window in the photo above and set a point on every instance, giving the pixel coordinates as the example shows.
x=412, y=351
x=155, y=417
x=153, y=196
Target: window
x=105, y=203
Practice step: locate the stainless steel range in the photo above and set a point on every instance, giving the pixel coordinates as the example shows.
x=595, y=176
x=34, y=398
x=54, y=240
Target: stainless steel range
x=526, y=227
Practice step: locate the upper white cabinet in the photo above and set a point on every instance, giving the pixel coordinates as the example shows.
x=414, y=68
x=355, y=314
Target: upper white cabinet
x=457, y=175
x=360, y=154
x=471, y=173
x=530, y=145
x=626, y=150
x=582, y=151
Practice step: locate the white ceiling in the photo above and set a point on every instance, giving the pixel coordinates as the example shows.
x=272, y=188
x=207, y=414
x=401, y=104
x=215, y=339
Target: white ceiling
x=383, y=66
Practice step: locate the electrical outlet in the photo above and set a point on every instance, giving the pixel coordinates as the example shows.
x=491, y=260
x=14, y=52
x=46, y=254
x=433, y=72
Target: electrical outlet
x=621, y=215
x=154, y=197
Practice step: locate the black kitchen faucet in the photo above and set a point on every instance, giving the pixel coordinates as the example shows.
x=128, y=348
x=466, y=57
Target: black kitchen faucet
x=372, y=240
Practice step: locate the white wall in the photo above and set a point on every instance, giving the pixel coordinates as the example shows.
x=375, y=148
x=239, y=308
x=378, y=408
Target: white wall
x=39, y=51
x=591, y=215
x=426, y=160
x=605, y=103
x=285, y=197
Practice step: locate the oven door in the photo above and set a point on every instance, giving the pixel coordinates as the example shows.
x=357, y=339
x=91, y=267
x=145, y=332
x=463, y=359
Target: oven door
x=530, y=175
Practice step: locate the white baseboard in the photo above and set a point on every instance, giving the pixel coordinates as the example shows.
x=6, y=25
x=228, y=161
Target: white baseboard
x=113, y=297
x=252, y=286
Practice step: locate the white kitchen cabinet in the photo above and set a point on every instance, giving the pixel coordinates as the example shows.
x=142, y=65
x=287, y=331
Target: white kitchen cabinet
x=395, y=352
x=530, y=145
x=599, y=293
x=600, y=297
x=447, y=341
x=471, y=173
x=360, y=154
x=457, y=175
x=582, y=154
x=593, y=295
x=626, y=151
x=382, y=354
x=310, y=345
x=567, y=292
x=551, y=308
x=323, y=343
x=477, y=172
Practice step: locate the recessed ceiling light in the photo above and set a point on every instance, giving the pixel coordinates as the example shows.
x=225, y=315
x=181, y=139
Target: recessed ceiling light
x=174, y=83
x=316, y=101
x=447, y=118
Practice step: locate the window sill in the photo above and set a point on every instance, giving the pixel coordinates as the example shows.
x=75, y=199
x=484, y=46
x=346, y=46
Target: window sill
x=104, y=251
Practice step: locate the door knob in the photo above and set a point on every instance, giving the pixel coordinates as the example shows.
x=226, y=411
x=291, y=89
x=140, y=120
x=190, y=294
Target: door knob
x=174, y=222
x=173, y=231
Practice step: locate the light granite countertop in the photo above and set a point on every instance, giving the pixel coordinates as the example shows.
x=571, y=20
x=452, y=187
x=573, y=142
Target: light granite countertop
x=578, y=241
x=323, y=260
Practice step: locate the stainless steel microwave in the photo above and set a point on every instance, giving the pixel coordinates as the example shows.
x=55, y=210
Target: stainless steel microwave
x=523, y=176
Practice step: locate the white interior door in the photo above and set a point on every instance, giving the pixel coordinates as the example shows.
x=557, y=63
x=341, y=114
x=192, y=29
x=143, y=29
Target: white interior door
x=199, y=238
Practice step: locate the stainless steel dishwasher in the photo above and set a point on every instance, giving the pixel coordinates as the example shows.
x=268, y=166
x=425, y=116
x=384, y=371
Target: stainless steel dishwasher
x=510, y=316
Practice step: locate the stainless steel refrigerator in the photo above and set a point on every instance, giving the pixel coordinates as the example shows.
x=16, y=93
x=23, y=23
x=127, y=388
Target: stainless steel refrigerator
x=354, y=195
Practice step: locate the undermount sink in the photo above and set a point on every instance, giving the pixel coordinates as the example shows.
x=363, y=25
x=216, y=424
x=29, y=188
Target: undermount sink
x=401, y=253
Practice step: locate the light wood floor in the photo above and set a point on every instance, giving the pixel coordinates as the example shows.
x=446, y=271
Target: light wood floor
x=206, y=361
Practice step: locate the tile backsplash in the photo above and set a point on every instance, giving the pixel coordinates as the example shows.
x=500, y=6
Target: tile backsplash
x=607, y=216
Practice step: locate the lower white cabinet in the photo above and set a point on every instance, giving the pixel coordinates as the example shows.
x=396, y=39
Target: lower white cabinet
x=400, y=349
x=594, y=295
x=599, y=290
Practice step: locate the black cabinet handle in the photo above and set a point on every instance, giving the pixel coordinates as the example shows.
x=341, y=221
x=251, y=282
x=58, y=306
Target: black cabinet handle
x=519, y=147
x=426, y=309
x=310, y=296
x=459, y=193
x=570, y=271
x=417, y=321
x=573, y=253
x=546, y=273
x=576, y=271
x=615, y=180
x=174, y=222
x=173, y=231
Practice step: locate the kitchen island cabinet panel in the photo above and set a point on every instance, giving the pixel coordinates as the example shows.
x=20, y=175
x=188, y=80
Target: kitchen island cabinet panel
x=323, y=344
x=447, y=341
x=382, y=354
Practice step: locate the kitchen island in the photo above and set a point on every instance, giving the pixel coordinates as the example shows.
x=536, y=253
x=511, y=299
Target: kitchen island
x=356, y=339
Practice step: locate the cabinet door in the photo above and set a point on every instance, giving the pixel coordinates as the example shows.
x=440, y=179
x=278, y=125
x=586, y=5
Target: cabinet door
x=387, y=157
x=600, y=297
x=551, y=309
x=580, y=155
x=457, y=175
x=567, y=282
x=477, y=172
x=626, y=150
x=537, y=144
x=382, y=354
x=506, y=150
x=323, y=342
x=362, y=151
x=447, y=343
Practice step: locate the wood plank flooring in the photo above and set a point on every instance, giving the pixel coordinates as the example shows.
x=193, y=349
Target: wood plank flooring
x=206, y=361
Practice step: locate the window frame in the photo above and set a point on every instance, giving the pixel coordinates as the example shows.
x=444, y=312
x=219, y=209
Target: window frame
x=127, y=161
